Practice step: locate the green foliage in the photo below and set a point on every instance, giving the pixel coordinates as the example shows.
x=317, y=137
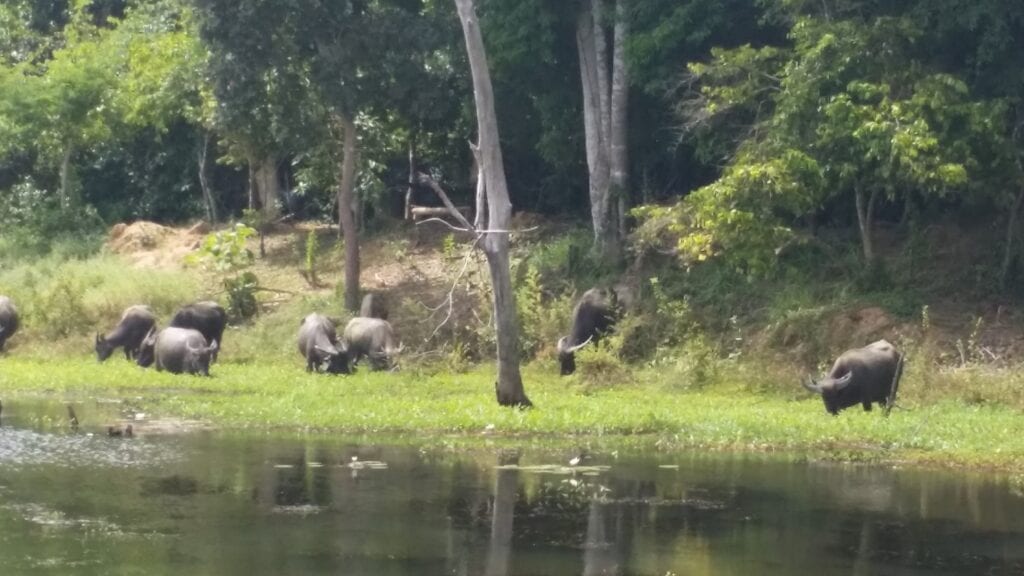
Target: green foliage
x=241, y=290
x=541, y=320
x=34, y=224
x=65, y=298
x=225, y=250
x=831, y=118
x=60, y=308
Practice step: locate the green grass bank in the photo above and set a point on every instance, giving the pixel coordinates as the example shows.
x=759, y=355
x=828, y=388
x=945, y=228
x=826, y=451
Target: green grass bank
x=461, y=406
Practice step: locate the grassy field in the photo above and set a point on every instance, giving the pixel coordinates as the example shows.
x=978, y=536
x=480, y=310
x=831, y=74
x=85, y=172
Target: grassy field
x=716, y=417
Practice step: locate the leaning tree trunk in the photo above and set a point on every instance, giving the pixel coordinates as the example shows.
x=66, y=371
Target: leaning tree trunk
x=495, y=236
x=204, y=178
x=346, y=216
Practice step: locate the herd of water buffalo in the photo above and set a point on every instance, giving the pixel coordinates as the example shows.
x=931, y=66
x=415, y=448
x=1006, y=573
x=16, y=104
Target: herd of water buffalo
x=193, y=337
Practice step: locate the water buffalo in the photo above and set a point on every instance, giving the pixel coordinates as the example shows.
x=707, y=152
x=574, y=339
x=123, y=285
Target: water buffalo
x=318, y=342
x=135, y=324
x=374, y=306
x=373, y=338
x=8, y=320
x=177, y=350
x=206, y=317
x=862, y=375
x=593, y=317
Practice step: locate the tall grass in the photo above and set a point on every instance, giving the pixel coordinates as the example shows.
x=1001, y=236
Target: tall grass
x=60, y=298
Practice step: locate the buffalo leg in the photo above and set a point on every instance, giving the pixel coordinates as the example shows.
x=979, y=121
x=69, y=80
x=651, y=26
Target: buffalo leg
x=867, y=405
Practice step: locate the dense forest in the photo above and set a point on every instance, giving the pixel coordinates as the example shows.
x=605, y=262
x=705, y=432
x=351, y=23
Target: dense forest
x=733, y=130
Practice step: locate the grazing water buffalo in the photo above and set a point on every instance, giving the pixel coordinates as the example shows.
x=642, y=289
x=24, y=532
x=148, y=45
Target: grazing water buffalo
x=373, y=338
x=135, y=324
x=177, y=350
x=374, y=306
x=860, y=376
x=593, y=317
x=318, y=342
x=8, y=320
x=206, y=317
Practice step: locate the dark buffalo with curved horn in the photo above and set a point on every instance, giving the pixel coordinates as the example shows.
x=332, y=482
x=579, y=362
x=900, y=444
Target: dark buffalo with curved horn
x=8, y=320
x=373, y=338
x=135, y=324
x=593, y=317
x=209, y=318
x=318, y=343
x=860, y=376
x=177, y=350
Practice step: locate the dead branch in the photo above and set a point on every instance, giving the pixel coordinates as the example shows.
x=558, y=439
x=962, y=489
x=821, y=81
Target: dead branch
x=450, y=298
x=427, y=180
x=445, y=222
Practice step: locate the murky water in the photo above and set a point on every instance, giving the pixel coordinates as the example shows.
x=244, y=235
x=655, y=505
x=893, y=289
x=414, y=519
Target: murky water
x=218, y=503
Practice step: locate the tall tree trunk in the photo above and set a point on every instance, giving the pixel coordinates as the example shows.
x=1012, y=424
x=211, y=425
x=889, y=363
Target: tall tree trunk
x=268, y=188
x=412, y=177
x=1011, y=230
x=865, y=222
x=499, y=553
x=252, y=184
x=204, y=178
x=591, y=66
x=619, y=157
x=65, y=177
x=605, y=102
x=346, y=215
x=495, y=241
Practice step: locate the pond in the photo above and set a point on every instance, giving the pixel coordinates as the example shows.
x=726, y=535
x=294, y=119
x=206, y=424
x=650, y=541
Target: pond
x=250, y=503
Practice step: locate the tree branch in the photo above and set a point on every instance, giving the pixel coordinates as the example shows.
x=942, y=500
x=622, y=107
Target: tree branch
x=427, y=180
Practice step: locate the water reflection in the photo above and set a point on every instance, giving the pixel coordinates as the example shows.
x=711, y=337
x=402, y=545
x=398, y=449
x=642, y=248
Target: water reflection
x=251, y=505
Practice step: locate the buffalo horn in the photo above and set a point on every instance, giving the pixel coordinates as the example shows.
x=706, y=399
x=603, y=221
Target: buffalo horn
x=323, y=350
x=810, y=385
x=843, y=382
x=580, y=345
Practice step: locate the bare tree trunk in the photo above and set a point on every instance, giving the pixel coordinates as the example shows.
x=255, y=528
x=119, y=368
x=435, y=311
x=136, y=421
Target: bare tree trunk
x=605, y=102
x=252, y=184
x=346, y=217
x=865, y=221
x=591, y=66
x=65, y=177
x=495, y=239
x=204, y=178
x=268, y=188
x=412, y=177
x=499, y=553
x=480, y=219
x=619, y=157
x=1011, y=229
x=601, y=60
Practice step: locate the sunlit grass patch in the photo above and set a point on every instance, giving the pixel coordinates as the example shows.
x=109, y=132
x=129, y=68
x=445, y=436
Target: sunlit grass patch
x=723, y=416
